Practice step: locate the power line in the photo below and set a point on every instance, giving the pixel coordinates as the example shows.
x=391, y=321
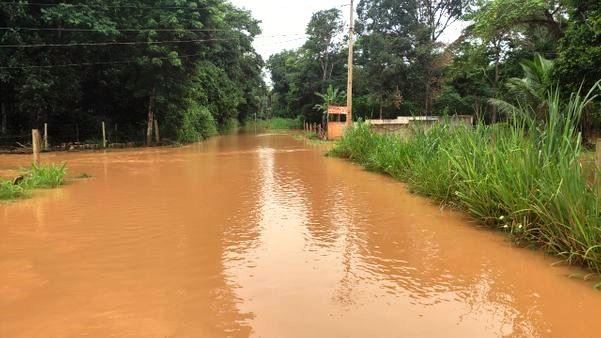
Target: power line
x=114, y=62
x=35, y=4
x=120, y=43
x=84, y=44
x=58, y=29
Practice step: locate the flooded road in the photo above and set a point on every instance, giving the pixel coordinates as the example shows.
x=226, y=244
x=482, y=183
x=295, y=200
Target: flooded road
x=263, y=236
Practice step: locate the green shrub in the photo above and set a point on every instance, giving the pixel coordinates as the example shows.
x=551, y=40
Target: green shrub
x=229, y=126
x=196, y=124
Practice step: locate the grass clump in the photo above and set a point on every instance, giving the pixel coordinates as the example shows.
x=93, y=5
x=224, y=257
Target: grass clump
x=276, y=123
x=10, y=191
x=524, y=177
x=44, y=177
x=36, y=177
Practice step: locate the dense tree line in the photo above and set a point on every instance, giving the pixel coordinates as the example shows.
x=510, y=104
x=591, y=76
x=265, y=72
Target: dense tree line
x=402, y=67
x=188, y=63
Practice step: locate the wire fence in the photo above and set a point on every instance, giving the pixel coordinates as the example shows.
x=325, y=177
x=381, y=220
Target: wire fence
x=71, y=137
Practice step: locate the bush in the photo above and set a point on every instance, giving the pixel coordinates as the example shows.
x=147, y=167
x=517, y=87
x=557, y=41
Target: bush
x=194, y=124
x=229, y=126
x=523, y=177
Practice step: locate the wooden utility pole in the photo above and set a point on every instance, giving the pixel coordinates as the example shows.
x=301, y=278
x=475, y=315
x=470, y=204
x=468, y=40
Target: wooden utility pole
x=150, y=121
x=35, y=145
x=103, y=135
x=45, y=136
x=349, y=86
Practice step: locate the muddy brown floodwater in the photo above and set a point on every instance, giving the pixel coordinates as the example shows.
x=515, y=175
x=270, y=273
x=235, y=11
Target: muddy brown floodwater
x=261, y=235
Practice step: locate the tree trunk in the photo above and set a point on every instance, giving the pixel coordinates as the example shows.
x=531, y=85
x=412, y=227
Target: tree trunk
x=3, y=119
x=427, y=96
x=495, y=89
x=150, y=118
x=428, y=90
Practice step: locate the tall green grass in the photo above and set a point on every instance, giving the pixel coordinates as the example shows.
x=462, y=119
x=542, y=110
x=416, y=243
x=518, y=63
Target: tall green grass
x=35, y=177
x=276, y=123
x=44, y=177
x=523, y=177
x=9, y=191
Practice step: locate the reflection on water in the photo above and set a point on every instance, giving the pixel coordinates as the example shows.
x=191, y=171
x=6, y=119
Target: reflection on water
x=263, y=236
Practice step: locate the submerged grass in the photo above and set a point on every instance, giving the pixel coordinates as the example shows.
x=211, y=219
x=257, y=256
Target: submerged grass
x=524, y=177
x=10, y=191
x=44, y=177
x=36, y=177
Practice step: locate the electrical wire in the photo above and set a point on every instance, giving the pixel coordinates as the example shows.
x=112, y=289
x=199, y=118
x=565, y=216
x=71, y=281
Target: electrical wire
x=128, y=43
x=117, y=62
x=58, y=29
x=36, y=4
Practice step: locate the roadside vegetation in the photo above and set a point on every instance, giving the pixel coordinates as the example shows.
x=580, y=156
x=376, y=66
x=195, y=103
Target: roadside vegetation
x=524, y=176
x=37, y=177
x=189, y=64
x=276, y=123
x=402, y=66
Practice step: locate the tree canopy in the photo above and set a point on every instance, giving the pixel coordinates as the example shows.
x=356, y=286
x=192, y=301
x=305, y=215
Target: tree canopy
x=403, y=66
x=188, y=62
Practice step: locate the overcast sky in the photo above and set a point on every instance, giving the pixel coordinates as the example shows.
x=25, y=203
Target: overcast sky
x=284, y=21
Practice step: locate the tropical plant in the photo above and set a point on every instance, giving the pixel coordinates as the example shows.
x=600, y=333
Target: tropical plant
x=531, y=90
x=330, y=97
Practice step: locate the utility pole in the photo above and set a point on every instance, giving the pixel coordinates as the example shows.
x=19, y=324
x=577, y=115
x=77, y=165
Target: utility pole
x=349, y=86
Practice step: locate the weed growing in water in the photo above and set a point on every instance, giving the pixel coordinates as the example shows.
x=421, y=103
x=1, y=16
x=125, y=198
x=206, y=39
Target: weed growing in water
x=44, y=177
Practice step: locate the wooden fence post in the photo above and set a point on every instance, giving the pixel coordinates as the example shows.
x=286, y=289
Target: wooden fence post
x=157, y=136
x=35, y=145
x=45, y=136
x=103, y=135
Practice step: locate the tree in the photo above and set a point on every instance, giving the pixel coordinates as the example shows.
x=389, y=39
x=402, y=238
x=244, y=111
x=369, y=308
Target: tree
x=409, y=30
x=323, y=43
x=127, y=63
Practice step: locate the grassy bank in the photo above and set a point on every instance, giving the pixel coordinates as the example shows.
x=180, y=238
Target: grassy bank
x=36, y=177
x=276, y=123
x=524, y=177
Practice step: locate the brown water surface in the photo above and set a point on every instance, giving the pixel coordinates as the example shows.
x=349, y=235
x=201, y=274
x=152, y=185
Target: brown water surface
x=261, y=235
